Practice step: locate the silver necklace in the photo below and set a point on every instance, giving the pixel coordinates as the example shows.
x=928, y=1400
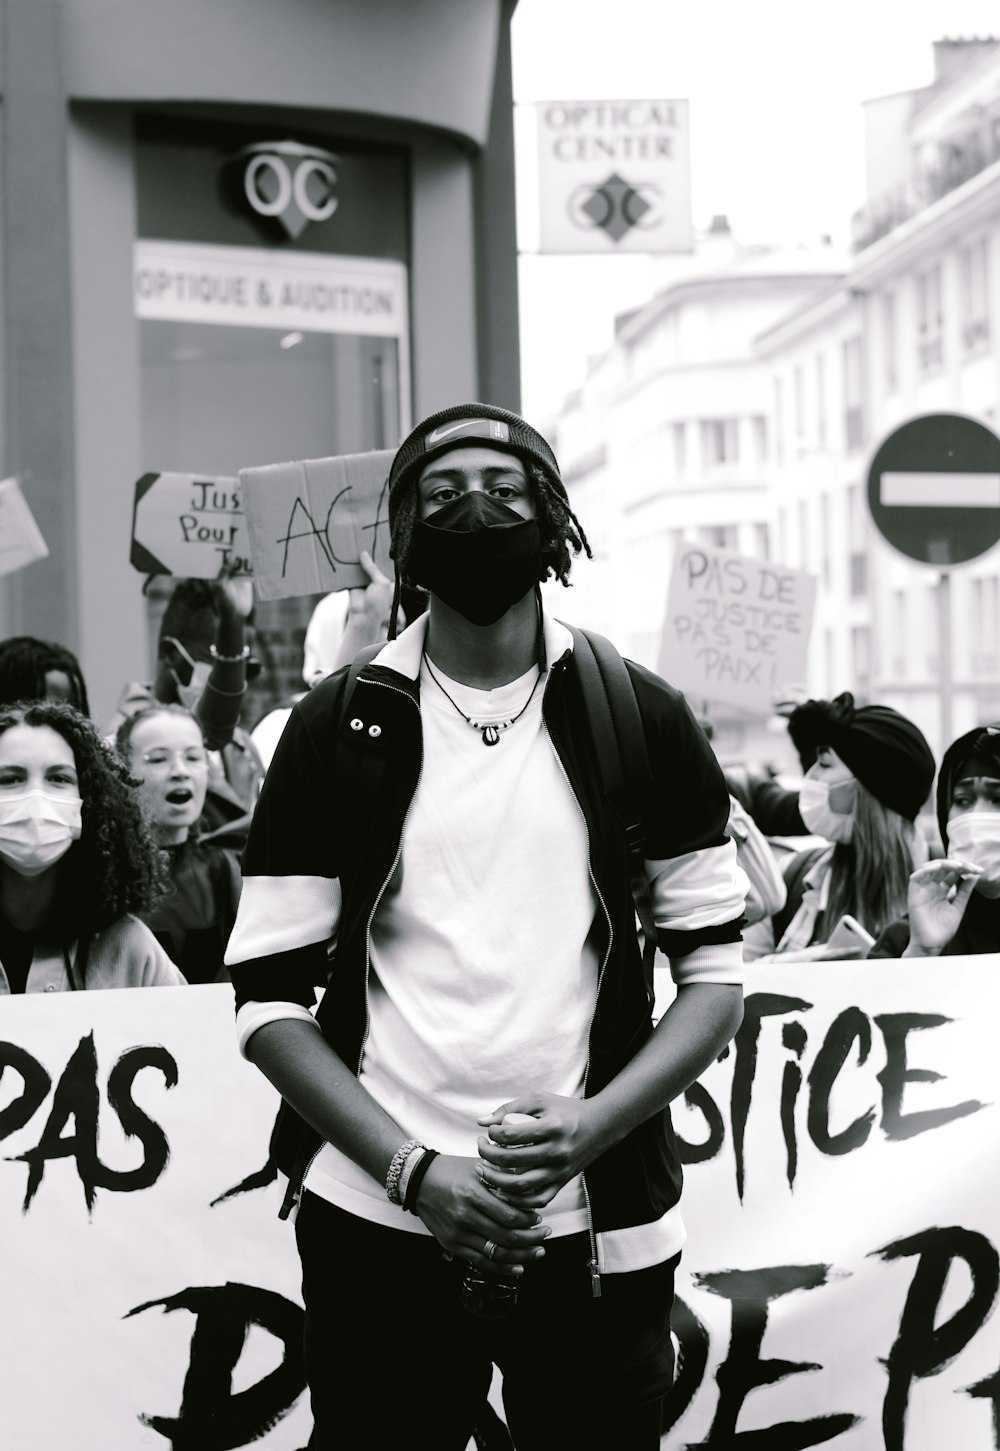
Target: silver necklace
x=490, y=730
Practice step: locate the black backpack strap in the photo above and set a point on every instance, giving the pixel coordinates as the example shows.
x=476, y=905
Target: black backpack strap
x=622, y=755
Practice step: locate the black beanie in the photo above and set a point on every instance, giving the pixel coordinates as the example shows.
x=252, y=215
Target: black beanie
x=467, y=425
x=886, y=752
x=976, y=753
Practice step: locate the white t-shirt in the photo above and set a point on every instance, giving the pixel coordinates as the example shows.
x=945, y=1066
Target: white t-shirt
x=483, y=977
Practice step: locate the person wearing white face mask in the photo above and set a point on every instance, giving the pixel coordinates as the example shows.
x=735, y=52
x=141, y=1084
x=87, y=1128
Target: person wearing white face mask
x=953, y=902
x=76, y=861
x=869, y=771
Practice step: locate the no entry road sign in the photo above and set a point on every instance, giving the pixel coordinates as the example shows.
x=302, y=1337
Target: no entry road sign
x=934, y=489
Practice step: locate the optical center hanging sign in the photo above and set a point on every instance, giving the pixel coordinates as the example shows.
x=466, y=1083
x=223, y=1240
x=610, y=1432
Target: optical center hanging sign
x=614, y=176
x=253, y=287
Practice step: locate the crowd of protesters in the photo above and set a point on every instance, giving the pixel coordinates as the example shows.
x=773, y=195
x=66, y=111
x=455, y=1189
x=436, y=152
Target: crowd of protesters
x=121, y=866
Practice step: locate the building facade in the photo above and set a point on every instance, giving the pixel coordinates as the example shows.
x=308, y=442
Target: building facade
x=913, y=330
x=230, y=235
x=669, y=439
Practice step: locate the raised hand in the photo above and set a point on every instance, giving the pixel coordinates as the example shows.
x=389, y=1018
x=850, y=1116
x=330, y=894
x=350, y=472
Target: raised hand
x=936, y=900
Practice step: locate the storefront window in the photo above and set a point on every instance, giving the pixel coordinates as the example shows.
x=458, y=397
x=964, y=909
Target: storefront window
x=268, y=333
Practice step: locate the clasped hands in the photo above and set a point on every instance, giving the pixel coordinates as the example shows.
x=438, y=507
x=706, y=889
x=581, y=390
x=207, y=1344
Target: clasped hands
x=487, y=1211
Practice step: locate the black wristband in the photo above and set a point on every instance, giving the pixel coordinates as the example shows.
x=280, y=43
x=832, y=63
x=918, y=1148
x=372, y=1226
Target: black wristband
x=416, y=1179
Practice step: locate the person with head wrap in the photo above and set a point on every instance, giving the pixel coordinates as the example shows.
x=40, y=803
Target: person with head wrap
x=868, y=771
x=32, y=669
x=490, y=1095
x=953, y=902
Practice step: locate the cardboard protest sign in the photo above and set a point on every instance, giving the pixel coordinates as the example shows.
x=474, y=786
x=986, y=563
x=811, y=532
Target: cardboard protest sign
x=736, y=629
x=310, y=520
x=21, y=539
x=189, y=524
x=840, y=1283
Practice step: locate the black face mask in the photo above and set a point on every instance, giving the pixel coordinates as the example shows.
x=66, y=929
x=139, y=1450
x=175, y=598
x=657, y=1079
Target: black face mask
x=477, y=555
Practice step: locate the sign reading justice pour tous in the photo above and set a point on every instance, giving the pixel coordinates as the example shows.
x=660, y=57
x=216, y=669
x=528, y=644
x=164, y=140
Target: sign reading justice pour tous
x=736, y=629
x=189, y=524
x=310, y=520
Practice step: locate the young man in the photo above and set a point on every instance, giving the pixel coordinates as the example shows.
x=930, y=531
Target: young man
x=463, y=858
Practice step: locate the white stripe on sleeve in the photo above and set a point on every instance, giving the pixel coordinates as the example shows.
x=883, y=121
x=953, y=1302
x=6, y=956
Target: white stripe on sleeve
x=253, y=1015
x=700, y=889
x=279, y=914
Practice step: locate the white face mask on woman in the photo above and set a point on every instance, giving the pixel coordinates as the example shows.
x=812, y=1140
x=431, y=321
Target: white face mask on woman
x=37, y=828
x=975, y=835
x=819, y=816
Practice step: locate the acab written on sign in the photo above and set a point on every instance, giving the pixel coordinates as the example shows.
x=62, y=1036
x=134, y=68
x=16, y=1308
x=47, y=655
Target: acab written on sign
x=736, y=628
x=189, y=524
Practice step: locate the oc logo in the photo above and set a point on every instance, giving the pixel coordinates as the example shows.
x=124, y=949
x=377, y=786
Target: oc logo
x=287, y=183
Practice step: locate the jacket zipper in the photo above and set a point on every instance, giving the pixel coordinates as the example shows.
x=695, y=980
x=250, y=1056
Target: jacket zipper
x=593, y=1264
x=392, y=869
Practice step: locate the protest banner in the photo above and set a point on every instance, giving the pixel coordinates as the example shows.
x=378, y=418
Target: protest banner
x=310, y=520
x=842, y=1198
x=736, y=629
x=189, y=524
x=21, y=539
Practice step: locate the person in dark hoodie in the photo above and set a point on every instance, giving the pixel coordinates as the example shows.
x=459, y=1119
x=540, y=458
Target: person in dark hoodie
x=953, y=902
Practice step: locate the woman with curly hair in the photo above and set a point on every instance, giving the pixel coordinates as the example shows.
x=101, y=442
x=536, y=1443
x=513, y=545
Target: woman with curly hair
x=868, y=772
x=77, y=862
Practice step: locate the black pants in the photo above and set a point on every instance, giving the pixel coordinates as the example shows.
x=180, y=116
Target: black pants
x=394, y=1359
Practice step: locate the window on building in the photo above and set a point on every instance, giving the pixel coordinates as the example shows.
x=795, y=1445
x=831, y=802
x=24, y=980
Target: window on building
x=932, y=629
x=762, y=541
x=680, y=448
x=890, y=356
x=854, y=423
x=826, y=533
x=930, y=318
x=805, y=553
x=861, y=661
x=833, y=685
x=799, y=397
x=760, y=438
x=779, y=422
x=900, y=622
x=820, y=400
x=857, y=542
x=985, y=622
x=782, y=534
x=974, y=262
x=722, y=536
x=720, y=443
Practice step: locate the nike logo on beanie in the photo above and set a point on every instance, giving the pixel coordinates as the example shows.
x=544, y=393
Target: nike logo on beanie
x=469, y=428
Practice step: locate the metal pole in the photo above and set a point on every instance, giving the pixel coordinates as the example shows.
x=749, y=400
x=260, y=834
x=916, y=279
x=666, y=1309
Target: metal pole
x=944, y=656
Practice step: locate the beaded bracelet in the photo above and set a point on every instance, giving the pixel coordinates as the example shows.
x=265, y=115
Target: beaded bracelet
x=412, y=1160
x=416, y=1178
x=399, y=1158
x=229, y=659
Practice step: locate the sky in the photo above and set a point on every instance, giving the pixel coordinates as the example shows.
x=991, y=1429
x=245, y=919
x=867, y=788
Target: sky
x=775, y=89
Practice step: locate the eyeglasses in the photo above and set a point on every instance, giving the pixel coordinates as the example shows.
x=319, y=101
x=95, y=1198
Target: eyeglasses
x=191, y=756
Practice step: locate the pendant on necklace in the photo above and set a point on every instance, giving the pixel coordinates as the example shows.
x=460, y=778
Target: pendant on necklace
x=491, y=735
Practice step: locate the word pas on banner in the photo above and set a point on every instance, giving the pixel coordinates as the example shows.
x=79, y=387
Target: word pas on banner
x=189, y=524
x=309, y=522
x=736, y=629
x=21, y=539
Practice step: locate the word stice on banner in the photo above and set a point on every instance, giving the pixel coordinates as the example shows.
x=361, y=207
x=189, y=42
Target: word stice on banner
x=736, y=629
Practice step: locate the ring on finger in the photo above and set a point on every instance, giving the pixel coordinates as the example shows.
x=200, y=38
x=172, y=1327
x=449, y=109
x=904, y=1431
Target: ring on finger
x=490, y=1249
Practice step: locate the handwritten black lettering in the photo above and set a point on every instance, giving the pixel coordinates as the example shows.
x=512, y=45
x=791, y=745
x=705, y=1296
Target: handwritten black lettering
x=211, y=1415
x=923, y=1347
x=849, y=1027
x=77, y=1097
x=35, y=1088
x=749, y=1293
x=894, y=1077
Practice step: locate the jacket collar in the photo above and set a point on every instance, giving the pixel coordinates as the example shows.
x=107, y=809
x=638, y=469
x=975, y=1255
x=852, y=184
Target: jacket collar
x=403, y=655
